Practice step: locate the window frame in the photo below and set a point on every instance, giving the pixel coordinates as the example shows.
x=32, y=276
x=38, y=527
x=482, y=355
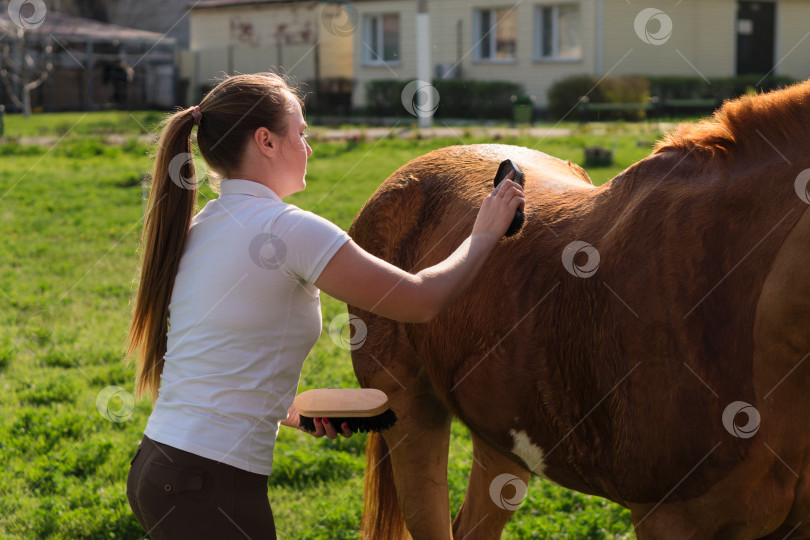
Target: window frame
x=478, y=38
x=369, y=57
x=537, y=52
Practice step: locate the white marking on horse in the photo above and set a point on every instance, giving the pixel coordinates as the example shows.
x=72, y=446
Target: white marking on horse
x=530, y=453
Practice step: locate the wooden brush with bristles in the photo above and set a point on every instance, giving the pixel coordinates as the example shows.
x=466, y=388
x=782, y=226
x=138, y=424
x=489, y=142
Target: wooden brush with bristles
x=363, y=409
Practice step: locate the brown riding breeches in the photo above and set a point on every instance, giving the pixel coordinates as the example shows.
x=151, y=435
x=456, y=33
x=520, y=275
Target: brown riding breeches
x=179, y=495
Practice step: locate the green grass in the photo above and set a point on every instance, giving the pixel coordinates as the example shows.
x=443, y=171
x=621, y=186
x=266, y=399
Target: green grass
x=127, y=123
x=70, y=219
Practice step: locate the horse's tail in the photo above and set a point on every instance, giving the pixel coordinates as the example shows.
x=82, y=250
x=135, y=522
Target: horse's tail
x=382, y=518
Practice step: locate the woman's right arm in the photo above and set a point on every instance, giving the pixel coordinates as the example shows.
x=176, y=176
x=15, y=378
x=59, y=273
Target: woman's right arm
x=358, y=278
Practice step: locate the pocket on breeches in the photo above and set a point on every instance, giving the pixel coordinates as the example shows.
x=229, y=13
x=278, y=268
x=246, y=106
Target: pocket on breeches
x=180, y=483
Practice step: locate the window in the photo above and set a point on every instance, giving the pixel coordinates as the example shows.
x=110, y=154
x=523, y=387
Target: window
x=495, y=34
x=381, y=39
x=557, y=31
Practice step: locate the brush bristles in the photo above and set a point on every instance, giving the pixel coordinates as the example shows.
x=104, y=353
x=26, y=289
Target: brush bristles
x=377, y=423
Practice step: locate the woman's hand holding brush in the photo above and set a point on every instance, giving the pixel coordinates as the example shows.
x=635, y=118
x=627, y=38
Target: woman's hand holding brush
x=322, y=426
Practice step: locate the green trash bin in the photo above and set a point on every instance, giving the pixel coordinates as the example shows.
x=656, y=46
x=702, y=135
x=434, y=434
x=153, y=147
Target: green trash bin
x=523, y=107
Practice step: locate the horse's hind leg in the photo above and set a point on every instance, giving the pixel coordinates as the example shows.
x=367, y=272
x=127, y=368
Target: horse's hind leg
x=419, y=445
x=491, y=498
x=415, y=460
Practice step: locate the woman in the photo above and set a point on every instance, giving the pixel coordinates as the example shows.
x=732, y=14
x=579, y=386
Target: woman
x=228, y=307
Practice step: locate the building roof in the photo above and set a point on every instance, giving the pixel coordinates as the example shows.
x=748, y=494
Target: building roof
x=77, y=29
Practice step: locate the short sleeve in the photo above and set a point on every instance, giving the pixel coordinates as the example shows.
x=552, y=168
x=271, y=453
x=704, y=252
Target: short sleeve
x=309, y=242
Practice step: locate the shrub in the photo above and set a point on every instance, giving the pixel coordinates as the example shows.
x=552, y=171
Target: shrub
x=626, y=90
x=719, y=89
x=476, y=99
x=330, y=96
x=457, y=99
x=564, y=95
x=383, y=98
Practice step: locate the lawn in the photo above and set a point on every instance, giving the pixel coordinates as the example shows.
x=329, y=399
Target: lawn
x=70, y=215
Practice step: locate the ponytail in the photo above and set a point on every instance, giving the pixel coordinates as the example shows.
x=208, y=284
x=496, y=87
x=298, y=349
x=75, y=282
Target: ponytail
x=172, y=203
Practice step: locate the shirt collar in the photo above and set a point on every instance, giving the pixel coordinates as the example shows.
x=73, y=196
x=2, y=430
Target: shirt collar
x=247, y=187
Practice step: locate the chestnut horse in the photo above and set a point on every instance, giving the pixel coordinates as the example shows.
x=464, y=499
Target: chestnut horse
x=643, y=341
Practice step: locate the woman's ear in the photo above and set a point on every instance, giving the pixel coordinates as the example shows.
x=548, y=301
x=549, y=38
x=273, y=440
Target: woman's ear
x=266, y=141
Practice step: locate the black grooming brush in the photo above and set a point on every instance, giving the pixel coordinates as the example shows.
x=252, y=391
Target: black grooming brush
x=505, y=168
x=363, y=409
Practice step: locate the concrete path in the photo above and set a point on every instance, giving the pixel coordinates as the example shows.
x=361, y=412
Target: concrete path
x=399, y=132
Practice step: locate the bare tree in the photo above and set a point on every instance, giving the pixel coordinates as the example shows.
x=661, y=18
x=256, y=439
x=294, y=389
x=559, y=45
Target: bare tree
x=26, y=54
x=26, y=61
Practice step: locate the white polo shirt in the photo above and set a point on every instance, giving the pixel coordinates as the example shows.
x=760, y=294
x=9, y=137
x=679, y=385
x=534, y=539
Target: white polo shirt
x=243, y=316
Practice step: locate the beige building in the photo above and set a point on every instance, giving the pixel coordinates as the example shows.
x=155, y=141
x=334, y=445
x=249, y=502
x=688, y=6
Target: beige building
x=540, y=41
x=533, y=42
x=303, y=39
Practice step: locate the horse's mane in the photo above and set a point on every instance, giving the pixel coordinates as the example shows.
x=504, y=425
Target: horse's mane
x=747, y=124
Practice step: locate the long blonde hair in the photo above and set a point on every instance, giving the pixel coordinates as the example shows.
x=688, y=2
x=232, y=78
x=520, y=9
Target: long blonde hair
x=229, y=115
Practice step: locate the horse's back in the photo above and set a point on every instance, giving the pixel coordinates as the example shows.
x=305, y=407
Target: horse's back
x=433, y=199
